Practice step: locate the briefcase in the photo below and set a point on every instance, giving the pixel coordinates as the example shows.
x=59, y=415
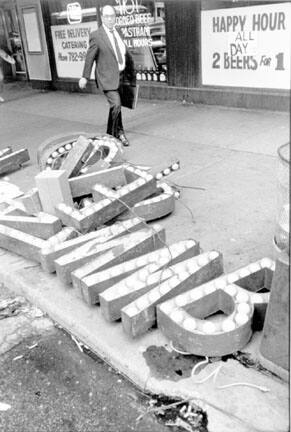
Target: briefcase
x=128, y=95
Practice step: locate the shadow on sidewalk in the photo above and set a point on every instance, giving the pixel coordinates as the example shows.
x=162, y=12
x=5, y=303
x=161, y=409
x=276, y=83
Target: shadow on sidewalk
x=18, y=90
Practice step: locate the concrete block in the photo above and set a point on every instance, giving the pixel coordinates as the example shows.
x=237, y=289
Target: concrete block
x=77, y=156
x=31, y=202
x=140, y=315
x=13, y=161
x=183, y=319
x=53, y=189
x=50, y=253
x=127, y=248
x=21, y=243
x=275, y=344
x=42, y=226
x=94, y=284
x=82, y=185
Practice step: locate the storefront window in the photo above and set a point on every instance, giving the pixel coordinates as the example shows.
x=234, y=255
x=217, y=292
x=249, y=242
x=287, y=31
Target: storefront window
x=142, y=26
x=11, y=41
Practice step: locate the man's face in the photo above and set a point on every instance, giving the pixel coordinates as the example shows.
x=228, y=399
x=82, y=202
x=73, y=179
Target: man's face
x=108, y=17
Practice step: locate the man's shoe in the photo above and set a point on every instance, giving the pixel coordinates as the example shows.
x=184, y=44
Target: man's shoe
x=123, y=140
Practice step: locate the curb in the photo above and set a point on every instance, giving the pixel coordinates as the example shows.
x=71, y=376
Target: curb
x=109, y=342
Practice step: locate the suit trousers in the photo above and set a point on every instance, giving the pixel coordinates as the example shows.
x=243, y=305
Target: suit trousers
x=114, y=123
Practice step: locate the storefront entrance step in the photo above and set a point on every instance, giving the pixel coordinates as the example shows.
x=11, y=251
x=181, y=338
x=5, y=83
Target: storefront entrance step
x=239, y=408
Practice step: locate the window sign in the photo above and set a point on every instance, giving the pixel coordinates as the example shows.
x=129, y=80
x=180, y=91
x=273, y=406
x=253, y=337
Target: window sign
x=74, y=13
x=142, y=27
x=247, y=46
x=70, y=43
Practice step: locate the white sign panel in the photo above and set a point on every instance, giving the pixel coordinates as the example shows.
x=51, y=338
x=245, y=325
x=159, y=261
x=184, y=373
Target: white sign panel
x=70, y=47
x=32, y=30
x=247, y=46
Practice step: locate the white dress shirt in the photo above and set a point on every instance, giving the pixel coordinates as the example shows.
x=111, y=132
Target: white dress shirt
x=120, y=44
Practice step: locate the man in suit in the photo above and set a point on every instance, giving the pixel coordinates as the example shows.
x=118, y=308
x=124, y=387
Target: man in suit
x=114, y=65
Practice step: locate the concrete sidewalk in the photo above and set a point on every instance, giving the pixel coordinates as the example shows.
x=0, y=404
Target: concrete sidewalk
x=228, y=180
x=230, y=154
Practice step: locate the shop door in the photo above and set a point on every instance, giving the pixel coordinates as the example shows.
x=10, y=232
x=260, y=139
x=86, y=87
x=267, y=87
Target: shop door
x=34, y=40
x=10, y=41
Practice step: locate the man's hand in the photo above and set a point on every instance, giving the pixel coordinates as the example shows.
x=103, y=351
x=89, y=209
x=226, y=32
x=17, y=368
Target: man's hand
x=82, y=83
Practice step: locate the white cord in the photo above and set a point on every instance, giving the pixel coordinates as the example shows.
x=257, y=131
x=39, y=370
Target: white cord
x=261, y=388
x=213, y=373
x=199, y=364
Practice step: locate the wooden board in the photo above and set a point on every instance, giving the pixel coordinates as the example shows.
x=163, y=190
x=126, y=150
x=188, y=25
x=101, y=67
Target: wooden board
x=43, y=226
x=13, y=161
x=94, y=284
x=53, y=189
x=127, y=247
x=77, y=156
x=50, y=254
x=31, y=202
x=21, y=243
x=82, y=185
x=66, y=264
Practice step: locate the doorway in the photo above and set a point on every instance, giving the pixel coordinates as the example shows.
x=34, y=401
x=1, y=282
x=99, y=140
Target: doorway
x=11, y=42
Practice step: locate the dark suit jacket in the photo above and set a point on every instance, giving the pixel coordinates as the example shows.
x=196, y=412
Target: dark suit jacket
x=107, y=74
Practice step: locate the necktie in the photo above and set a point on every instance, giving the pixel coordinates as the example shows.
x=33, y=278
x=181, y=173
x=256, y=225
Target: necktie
x=119, y=56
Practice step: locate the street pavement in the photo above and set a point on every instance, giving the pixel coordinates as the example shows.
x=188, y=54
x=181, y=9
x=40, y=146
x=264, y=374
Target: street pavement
x=51, y=386
x=229, y=188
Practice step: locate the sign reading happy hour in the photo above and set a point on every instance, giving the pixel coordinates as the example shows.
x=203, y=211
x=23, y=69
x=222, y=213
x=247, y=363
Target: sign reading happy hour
x=247, y=46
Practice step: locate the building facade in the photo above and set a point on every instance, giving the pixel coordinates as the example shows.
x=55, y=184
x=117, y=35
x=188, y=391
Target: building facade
x=230, y=52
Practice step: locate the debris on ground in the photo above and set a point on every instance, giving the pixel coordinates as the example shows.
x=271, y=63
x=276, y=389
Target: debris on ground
x=4, y=406
x=166, y=364
x=11, y=307
x=182, y=414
